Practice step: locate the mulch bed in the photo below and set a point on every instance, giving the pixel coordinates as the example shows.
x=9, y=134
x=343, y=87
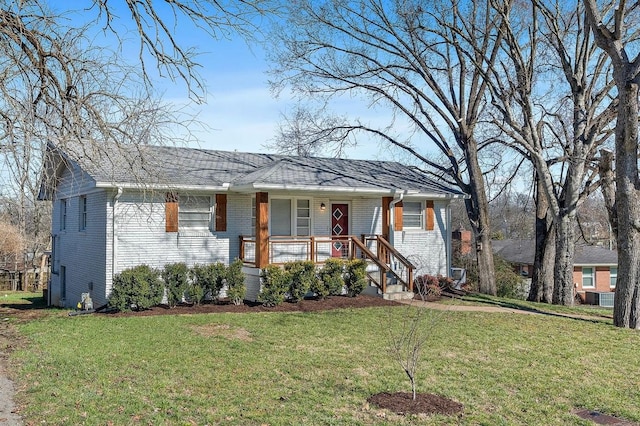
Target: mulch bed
x=307, y=305
x=425, y=403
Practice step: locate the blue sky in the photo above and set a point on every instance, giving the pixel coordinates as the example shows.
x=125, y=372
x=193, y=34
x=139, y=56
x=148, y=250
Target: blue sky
x=240, y=111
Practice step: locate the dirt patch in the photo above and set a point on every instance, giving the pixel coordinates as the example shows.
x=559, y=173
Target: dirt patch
x=306, y=305
x=425, y=403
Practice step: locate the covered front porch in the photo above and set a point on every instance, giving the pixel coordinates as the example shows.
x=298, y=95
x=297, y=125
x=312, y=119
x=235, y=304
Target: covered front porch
x=386, y=266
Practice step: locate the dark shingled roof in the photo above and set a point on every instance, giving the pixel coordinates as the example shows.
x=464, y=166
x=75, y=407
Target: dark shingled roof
x=110, y=165
x=523, y=252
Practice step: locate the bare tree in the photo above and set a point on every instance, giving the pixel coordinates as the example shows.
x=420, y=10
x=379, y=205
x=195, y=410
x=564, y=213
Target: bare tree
x=157, y=26
x=403, y=56
x=58, y=86
x=561, y=148
x=613, y=36
x=306, y=132
x=407, y=341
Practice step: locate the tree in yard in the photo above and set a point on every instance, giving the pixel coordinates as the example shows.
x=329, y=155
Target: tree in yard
x=562, y=148
x=615, y=37
x=407, y=340
x=61, y=85
x=404, y=57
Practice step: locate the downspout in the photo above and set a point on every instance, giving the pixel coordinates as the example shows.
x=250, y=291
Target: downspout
x=392, y=207
x=114, y=235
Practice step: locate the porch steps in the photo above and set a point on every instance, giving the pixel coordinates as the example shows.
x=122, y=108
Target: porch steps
x=397, y=292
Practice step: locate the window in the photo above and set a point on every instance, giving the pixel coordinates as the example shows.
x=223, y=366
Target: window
x=280, y=217
x=303, y=218
x=194, y=213
x=82, y=208
x=63, y=215
x=588, y=279
x=613, y=277
x=290, y=217
x=412, y=214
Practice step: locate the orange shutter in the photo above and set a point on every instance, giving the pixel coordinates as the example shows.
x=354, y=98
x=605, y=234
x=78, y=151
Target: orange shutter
x=397, y=225
x=430, y=216
x=171, y=212
x=221, y=212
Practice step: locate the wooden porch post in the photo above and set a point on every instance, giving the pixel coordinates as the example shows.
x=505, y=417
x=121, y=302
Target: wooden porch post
x=262, y=229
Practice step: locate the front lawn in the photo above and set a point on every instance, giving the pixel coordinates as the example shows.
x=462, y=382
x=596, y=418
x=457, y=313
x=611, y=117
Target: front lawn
x=318, y=368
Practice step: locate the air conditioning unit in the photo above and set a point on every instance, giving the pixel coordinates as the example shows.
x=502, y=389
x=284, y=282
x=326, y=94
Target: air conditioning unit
x=600, y=298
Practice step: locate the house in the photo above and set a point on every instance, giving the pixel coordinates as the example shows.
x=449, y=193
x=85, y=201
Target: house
x=116, y=207
x=595, y=268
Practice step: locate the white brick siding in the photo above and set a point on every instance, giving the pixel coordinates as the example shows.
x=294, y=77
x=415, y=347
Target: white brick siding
x=427, y=250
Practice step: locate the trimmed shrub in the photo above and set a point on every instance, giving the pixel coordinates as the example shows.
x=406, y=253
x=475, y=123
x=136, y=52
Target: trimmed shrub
x=136, y=288
x=355, y=276
x=302, y=278
x=176, y=280
x=275, y=283
x=236, y=290
x=206, y=279
x=331, y=282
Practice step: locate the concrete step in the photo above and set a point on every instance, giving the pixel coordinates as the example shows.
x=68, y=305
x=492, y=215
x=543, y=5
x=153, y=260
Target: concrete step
x=398, y=295
x=395, y=288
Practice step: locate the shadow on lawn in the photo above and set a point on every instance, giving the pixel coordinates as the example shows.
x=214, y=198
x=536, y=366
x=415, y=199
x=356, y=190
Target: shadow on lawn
x=28, y=303
x=513, y=304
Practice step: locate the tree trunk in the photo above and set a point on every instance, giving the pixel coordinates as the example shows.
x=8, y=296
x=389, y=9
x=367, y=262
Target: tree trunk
x=563, y=291
x=627, y=298
x=608, y=187
x=478, y=212
x=542, y=276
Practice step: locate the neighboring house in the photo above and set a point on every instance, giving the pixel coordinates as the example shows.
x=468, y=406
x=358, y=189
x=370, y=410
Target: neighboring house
x=595, y=268
x=115, y=208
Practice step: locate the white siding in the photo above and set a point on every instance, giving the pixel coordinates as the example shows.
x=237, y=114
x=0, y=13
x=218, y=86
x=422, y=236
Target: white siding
x=82, y=253
x=427, y=250
x=141, y=236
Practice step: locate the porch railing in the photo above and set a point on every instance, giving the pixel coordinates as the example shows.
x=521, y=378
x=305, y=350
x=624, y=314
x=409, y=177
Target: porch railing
x=387, y=264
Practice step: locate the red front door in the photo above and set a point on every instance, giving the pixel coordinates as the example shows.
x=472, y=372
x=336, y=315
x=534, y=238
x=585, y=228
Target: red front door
x=339, y=226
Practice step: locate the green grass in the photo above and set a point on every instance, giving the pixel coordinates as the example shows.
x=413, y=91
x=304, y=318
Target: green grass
x=21, y=298
x=319, y=369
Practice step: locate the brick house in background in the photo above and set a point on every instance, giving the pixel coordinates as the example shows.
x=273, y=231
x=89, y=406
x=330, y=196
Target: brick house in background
x=595, y=268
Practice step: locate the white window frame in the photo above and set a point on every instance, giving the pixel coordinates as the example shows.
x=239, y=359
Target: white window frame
x=253, y=216
x=405, y=214
x=613, y=275
x=82, y=210
x=63, y=214
x=591, y=275
x=295, y=210
x=185, y=210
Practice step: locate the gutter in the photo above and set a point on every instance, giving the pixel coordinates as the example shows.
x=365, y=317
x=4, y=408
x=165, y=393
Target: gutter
x=392, y=216
x=218, y=188
x=114, y=235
